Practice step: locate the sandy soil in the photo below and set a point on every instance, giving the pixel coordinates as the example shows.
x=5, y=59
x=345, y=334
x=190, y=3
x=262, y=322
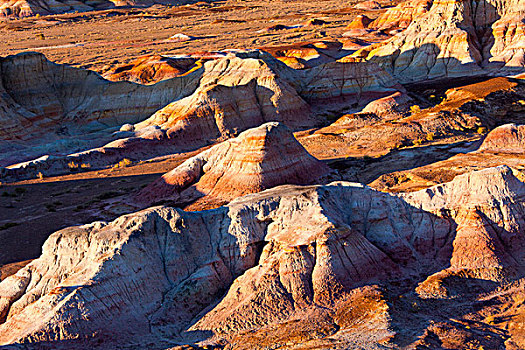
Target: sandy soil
x=98, y=40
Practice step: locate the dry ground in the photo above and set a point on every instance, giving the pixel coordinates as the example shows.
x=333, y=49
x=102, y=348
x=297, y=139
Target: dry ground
x=31, y=210
x=97, y=40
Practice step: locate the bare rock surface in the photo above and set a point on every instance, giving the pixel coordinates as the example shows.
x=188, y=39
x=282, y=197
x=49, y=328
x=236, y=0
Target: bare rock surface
x=159, y=275
x=235, y=93
x=508, y=138
x=258, y=159
x=56, y=108
x=24, y=8
x=400, y=16
x=456, y=38
x=151, y=69
x=226, y=96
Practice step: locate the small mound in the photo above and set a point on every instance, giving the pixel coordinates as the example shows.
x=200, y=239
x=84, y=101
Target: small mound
x=508, y=138
x=315, y=22
x=360, y=22
x=368, y=5
x=259, y=158
x=151, y=69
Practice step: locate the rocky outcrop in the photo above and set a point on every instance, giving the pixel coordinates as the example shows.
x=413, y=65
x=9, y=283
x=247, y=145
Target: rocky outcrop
x=508, y=138
x=151, y=69
x=24, y=8
x=258, y=159
x=282, y=255
x=235, y=94
x=49, y=107
x=392, y=105
x=368, y=5
x=358, y=26
x=402, y=15
x=456, y=38
x=360, y=22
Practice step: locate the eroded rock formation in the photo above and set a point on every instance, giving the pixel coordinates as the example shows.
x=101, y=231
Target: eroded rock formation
x=23, y=8
x=508, y=138
x=258, y=159
x=48, y=107
x=152, y=69
x=161, y=271
x=456, y=38
x=226, y=96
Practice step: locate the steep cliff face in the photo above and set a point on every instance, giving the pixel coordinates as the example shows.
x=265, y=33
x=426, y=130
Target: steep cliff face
x=456, y=38
x=280, y=254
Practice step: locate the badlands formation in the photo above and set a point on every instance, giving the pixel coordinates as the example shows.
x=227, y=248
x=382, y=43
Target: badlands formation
x=364, y=191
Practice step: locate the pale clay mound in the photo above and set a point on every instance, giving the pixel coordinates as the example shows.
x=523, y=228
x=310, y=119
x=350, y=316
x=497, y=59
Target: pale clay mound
x=258, y=159
x=509, y=138
x=161, y=271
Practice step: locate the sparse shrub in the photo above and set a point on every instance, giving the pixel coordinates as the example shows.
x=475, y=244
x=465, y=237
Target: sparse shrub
x=41, y=36
x=415, y=307
x=490, y=320
x=72, y=165
x=108, y=195
x=482, y=130
x=80, y=207
x=123, y=163
x=415, y=109
x=430, y=136
x=7, y=194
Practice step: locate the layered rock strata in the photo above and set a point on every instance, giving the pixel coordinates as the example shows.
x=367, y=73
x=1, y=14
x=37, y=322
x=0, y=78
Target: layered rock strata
x=25, y=8
x=51, y=107
x=226, y=96
x=258, y=159
x=508, y=138
x=281, y=255
x=456, y=38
